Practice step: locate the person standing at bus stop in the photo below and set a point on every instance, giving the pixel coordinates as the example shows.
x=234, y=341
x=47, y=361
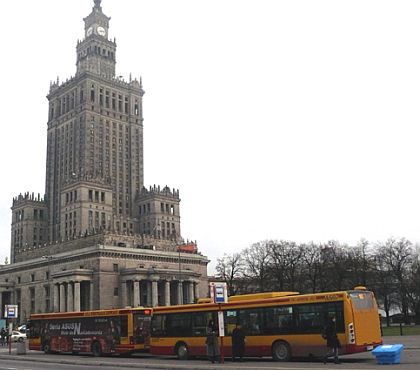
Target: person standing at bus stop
x=3, y=335
x=333, y=344
x=238, y=343
x=212, y=343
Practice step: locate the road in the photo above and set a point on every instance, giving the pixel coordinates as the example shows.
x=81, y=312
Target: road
x=32, y=360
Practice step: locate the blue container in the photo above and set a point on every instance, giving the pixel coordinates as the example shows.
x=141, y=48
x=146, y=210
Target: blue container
x=388, y=353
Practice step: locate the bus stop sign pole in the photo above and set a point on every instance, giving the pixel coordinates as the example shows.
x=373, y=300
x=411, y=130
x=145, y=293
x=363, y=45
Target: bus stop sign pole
x=218, y=292
x=10, y=312
x=221, y=334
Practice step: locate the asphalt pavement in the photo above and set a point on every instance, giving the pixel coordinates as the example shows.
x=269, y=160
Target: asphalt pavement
x=410, y=360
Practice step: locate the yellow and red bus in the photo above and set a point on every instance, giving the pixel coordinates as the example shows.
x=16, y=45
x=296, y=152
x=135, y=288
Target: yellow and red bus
x=122, y=331
x=278, y=324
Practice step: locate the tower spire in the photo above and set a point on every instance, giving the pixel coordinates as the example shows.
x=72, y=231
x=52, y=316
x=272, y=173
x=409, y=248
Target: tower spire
x=97, y=3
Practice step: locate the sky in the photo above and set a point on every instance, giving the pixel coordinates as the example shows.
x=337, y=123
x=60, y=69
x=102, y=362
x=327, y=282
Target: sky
x=294, y=120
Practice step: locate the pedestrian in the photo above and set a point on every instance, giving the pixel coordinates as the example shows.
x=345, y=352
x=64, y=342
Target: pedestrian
x=212, y=343
x=238, y=343
x=333, y=344
x=3, y=336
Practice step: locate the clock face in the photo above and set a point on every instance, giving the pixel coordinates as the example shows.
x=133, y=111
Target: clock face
x=89, y=31
x=101, y=31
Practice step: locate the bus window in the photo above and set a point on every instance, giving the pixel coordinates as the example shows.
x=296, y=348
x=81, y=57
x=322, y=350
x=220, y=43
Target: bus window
x=178, y=325
x=362, y=300
x=158, y=326
x=278, y=320
x=231, y=319
x=251, y=320
x=309, y=318
x=34, y=329
x=199, y=323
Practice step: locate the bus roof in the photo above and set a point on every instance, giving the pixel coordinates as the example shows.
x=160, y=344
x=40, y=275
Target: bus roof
x=110, y=312
x=257, y=296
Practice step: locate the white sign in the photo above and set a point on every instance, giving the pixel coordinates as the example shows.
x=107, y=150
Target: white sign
x=11, y=311
x=221, y=324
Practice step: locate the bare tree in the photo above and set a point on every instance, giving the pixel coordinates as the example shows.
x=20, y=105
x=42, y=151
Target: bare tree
x=311, y=268
x=333, y=266
x=257, y=262
x=395, y=258
x=360, y=264
x=414, y=289
x=230, y=269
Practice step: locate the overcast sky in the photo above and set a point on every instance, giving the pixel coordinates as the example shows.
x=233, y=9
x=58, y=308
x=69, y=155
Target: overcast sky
x=276, y=119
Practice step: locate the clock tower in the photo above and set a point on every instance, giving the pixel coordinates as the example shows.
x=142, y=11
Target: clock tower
x=95, y=142
x=96, y=53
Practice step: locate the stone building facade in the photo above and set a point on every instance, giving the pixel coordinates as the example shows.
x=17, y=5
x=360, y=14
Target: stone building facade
x=98, y=238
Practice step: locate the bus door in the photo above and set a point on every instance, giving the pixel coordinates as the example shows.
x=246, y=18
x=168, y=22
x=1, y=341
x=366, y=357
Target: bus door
x=141, y=332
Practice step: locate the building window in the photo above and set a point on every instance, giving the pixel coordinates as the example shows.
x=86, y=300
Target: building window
x=115, y=292
x=115, y=267
x=32, y=299
x=32, y=277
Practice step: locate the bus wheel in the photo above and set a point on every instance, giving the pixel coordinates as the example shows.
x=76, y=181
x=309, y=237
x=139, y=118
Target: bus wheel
x=181, y=351
x=281, y=351
x=46, y=347
x=96, y=349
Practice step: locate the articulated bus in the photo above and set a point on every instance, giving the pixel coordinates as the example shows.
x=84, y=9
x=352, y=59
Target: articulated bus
x=281, y=325
x=122, y=331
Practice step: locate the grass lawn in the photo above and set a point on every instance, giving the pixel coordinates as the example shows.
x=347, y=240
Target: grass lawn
x=395, y=330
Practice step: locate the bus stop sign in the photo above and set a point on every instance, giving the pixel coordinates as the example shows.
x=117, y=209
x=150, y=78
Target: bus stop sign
x=11, y=311
x=218, y=292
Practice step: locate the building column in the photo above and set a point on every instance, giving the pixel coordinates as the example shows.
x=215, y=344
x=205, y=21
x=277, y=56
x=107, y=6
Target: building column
x=190, y=292
x=70, y=304
x=91, y=295
x=180, y=292
x=167, y=293
x=136, y=293
x=77, y=296
x=56, y=297
x=124, y=294
x=196, y=291
x=1, y=305
x=62, y=298
x=149, y=293
x=154, y=293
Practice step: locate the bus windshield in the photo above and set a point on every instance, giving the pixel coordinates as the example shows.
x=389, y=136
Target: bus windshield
x=362, y=301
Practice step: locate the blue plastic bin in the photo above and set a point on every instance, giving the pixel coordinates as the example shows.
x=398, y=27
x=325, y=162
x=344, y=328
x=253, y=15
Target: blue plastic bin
x=388, y=353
